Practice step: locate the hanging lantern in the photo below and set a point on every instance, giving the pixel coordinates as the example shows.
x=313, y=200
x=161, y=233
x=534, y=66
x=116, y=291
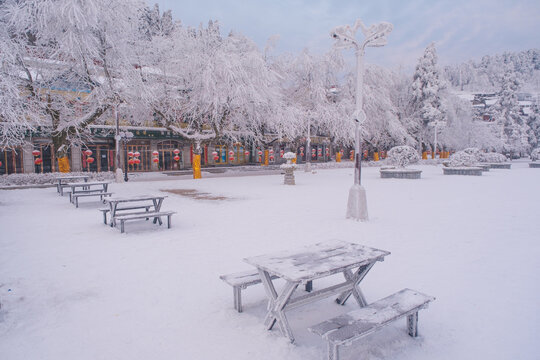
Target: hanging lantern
x=136, y=154
x=281, y=152
x=155, y=153
x=88, y=152
x=176, y=158
x=38, y=161
x=246, y=153
x=36, y=152
x=271, y=151
x=131, y=162
x=259, y=152
x=137, y=161
x=0, y=164
x=130, y=154
x=301, y=149
x=176, y=152
x=156, y=160
x=271, y=157
x=216, y=158
x=214, y=153
x=231, y=158
x=319, y=152
x=89, y=160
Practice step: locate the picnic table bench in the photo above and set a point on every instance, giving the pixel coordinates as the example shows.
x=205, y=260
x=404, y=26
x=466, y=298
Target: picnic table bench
x=87, y=189
x=311, y=263
x=150, y=203
x=346, y=328
x=241, y=280
x=61, y=181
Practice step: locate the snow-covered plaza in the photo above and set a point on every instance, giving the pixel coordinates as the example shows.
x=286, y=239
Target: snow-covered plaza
x=74, y=288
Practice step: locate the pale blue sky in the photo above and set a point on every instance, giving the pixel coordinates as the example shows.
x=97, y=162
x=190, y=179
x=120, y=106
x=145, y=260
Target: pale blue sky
x=461, y=29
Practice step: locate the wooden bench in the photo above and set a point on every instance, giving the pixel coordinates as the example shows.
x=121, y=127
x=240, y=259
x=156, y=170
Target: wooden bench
x=107, y=210
x=74, y=198
x=346, y=328
x=241, y=280
x=143, y=215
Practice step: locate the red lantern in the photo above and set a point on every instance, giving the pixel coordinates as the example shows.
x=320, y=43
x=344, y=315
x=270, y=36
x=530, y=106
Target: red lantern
x=176, y=152
x=271, y=157
x=36, y=152
x=281, y=152
x=89, y=160
x=301, y=149
x=0, y=164
x=231, y=158
x=231, y=153
x=259, y=152
x=156, y=160
x=301, y=153
x=38, y=161
x=155, y=153
x=136, y=154
x=246, y=153
x=214, y=153
x=137, y=161
x=131, y=162
x=130, y=154
x=271, y=151
x=88, y=152
x=176, y=158
x=216, y=158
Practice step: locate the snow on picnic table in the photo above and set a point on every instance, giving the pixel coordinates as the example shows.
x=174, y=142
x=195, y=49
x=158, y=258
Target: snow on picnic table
x=73, y=288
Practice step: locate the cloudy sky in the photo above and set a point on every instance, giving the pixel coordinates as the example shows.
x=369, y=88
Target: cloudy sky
x=461, y=29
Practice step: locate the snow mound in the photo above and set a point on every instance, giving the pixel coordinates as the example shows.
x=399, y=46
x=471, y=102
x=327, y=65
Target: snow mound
x=402, y=156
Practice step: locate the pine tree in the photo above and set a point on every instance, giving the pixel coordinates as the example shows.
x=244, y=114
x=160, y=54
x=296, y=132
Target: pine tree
x=426, y=93
x=514, y=129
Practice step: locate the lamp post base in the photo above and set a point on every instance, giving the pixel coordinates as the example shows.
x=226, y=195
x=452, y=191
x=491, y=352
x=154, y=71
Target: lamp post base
x=119, y=176
x=357, y=205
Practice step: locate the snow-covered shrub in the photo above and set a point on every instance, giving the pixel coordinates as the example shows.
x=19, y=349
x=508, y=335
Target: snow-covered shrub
x=48, y=178
x=403, y=155
x=491, y=157
x=461, y=158
x=535, y=154
x=473, y=151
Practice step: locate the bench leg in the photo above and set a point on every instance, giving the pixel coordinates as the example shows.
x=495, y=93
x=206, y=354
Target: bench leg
x=105, y=218
x=412, y=324
x=309, y=286
x=168, y=221
x=76, y=201
x=121, y=226
x=333, y=352
x=237, y=291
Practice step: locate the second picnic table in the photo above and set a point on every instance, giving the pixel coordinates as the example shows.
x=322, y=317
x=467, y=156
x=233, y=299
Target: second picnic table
x=133, y=202
x=98, y=188
x=308, y=264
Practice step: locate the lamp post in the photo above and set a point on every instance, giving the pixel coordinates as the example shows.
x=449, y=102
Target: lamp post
x=122, y=137
x=345, y=37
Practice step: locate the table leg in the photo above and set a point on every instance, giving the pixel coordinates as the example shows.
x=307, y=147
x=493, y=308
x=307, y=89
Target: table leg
x=355, y=278
x=277, y=303
x=157, y=206
x=113, y=205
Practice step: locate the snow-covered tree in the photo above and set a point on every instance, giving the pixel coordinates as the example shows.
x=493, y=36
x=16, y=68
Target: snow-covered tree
x=71, y=57
x=208, y=87
x=426, y=93
x=508, y=116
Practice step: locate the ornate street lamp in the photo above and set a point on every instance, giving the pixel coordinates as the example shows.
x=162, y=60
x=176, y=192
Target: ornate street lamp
x=345, y=37
x=124, y=137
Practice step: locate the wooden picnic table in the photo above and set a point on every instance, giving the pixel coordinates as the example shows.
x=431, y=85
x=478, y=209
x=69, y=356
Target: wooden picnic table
x=135, y=202
x=61, y=181
x=308, y=264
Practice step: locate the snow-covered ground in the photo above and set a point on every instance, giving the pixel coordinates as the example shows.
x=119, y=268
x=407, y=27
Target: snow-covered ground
x=73, y=288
